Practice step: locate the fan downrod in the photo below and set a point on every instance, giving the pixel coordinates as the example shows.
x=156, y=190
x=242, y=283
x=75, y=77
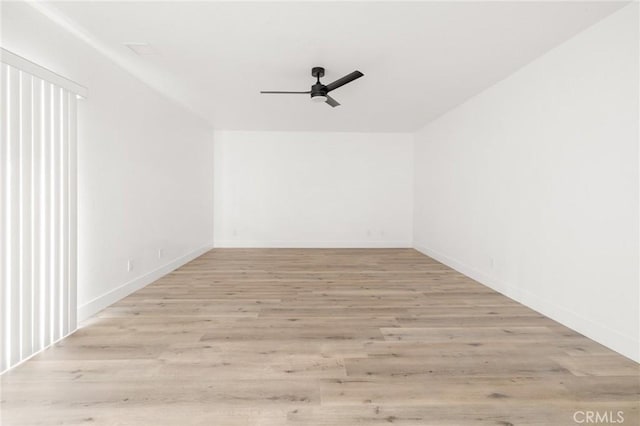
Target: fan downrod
x=317, y=72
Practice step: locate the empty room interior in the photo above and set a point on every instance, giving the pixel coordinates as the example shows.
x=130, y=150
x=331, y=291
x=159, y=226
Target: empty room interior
x=319, y=213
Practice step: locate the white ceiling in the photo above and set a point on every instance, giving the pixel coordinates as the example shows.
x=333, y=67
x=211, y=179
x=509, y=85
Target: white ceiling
x=420, y=59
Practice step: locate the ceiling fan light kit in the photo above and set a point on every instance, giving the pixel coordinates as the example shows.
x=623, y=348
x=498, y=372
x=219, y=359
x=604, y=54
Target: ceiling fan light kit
x=320, y=92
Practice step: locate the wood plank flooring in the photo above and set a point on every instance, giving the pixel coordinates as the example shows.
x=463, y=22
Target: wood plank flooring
x=320, y=337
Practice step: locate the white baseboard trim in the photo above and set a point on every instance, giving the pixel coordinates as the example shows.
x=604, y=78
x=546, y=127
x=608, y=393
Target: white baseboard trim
x=628, y=346
x=312, y=244
x=99, y=303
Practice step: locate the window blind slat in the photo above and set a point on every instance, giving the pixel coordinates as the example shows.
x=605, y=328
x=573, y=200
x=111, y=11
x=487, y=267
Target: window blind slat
x=55, y=214
x=73, y=197
x=64, y=218
x=13, y=232
x=45, y=199
x=26, y=216
x=36, y=237
x=5, y=311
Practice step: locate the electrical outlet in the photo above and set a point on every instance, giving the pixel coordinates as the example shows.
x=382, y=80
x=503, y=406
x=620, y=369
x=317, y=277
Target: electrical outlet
x=160, y=253
x=129, y=265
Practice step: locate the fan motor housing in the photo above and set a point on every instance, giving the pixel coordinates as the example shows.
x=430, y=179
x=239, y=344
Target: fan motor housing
x=318, y=89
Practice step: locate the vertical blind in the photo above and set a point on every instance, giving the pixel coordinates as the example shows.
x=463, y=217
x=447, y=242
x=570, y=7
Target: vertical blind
x=37, y=208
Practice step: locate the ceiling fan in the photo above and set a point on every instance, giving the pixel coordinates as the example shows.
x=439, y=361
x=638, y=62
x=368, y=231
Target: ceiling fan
x=319, y=92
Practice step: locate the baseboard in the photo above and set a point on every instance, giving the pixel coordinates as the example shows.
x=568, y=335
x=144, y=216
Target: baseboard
x=312, y=244
x=628, y=346
x=99, y=303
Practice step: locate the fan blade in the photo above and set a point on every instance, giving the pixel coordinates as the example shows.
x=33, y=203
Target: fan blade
x=344, y=80
x=286, y=93
x=332, y=101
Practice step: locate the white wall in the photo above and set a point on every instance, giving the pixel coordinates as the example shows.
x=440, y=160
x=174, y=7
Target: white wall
x=532, y=186
x=298, y=189
x=144, y=178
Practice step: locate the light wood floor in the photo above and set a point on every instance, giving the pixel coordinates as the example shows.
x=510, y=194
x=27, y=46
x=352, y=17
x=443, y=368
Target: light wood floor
x=319, y=337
